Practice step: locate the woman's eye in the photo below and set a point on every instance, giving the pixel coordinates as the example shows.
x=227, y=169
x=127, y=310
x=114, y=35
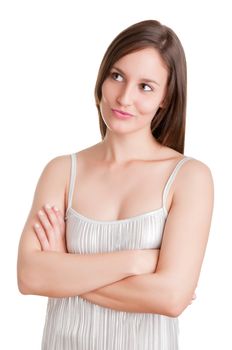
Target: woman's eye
x=115, y=76
x=146, y=87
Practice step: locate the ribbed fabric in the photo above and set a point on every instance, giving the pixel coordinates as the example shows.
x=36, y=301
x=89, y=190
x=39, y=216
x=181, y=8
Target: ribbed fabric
x=73, y=323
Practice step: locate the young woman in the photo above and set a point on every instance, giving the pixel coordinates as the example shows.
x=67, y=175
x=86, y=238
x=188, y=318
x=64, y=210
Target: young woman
x=119, y=249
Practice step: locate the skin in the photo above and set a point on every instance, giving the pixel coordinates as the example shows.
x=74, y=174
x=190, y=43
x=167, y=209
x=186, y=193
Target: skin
x=124, y=89
x=50, y=230
x=129, y=148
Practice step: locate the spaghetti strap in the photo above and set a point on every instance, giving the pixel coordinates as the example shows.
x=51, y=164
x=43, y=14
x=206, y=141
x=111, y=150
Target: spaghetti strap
x=165, y=191
x=171, y=179
x=72, y=181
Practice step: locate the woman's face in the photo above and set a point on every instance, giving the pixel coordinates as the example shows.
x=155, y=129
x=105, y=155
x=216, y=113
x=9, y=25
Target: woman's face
x=136, y=85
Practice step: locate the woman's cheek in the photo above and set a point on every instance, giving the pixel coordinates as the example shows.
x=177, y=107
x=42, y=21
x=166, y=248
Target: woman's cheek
x=148, y=106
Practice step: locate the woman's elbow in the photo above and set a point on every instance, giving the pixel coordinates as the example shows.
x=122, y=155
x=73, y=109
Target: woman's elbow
x=27, y=278
x=174, y=303
x=23, y=287
x=175, y=310
x=25, y=283
x=178, y=302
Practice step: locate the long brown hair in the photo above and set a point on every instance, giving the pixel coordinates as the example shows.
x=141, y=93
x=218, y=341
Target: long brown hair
x=168, y=124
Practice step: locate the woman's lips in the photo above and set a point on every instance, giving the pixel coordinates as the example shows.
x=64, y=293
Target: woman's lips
x=121, y=114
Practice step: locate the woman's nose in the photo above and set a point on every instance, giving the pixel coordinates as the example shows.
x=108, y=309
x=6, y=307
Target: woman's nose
x=125, y=96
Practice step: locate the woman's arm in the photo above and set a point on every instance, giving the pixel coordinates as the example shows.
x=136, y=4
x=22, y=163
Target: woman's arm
x=169, y=290
x=134, y=294
x=59, y=274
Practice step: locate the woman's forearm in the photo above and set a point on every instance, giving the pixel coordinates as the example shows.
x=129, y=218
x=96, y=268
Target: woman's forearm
x=62, y=274
x=147, y=293
x=45, y=268
x=131, y=295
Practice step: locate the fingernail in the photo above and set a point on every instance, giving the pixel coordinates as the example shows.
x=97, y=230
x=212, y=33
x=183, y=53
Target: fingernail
x=55, y=208
x=41, y=212
x=47, y=206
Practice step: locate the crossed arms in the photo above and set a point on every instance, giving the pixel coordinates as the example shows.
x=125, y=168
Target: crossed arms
x=135, y=281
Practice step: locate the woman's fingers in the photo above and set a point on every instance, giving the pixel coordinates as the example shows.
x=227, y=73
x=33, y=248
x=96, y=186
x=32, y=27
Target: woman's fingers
x=59, y=217
x=56, y=218
x=52, y=229
x=44, y=220
x=41, y=236
x=51, y=216
x=47, y=225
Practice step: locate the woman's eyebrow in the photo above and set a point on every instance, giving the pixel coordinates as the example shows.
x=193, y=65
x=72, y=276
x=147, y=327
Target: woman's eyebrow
x=143, y=79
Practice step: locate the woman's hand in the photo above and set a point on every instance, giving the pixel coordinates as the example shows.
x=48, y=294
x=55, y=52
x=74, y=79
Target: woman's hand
x=146, y=260
x=51, y=233
x=50, y=229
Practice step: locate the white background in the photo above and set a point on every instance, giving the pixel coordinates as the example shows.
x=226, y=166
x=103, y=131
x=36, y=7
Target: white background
x=50, y=54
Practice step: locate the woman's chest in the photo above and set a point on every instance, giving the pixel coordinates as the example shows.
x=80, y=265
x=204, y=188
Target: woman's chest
x=104, y=194
x=87, y=236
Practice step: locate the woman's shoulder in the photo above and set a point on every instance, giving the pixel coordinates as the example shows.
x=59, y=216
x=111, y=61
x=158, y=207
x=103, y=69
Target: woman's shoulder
x=196, y=167
x=192, y=170
x=62, y=162
x=58, y=164
x=194, y=174
x=193, y=164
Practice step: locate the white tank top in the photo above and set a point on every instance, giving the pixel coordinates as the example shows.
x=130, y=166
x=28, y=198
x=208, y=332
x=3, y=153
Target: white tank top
x=74, y=323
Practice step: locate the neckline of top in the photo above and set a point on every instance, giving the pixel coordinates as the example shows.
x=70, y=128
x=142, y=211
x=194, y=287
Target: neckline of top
x=117, y=221
x=131, y=218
